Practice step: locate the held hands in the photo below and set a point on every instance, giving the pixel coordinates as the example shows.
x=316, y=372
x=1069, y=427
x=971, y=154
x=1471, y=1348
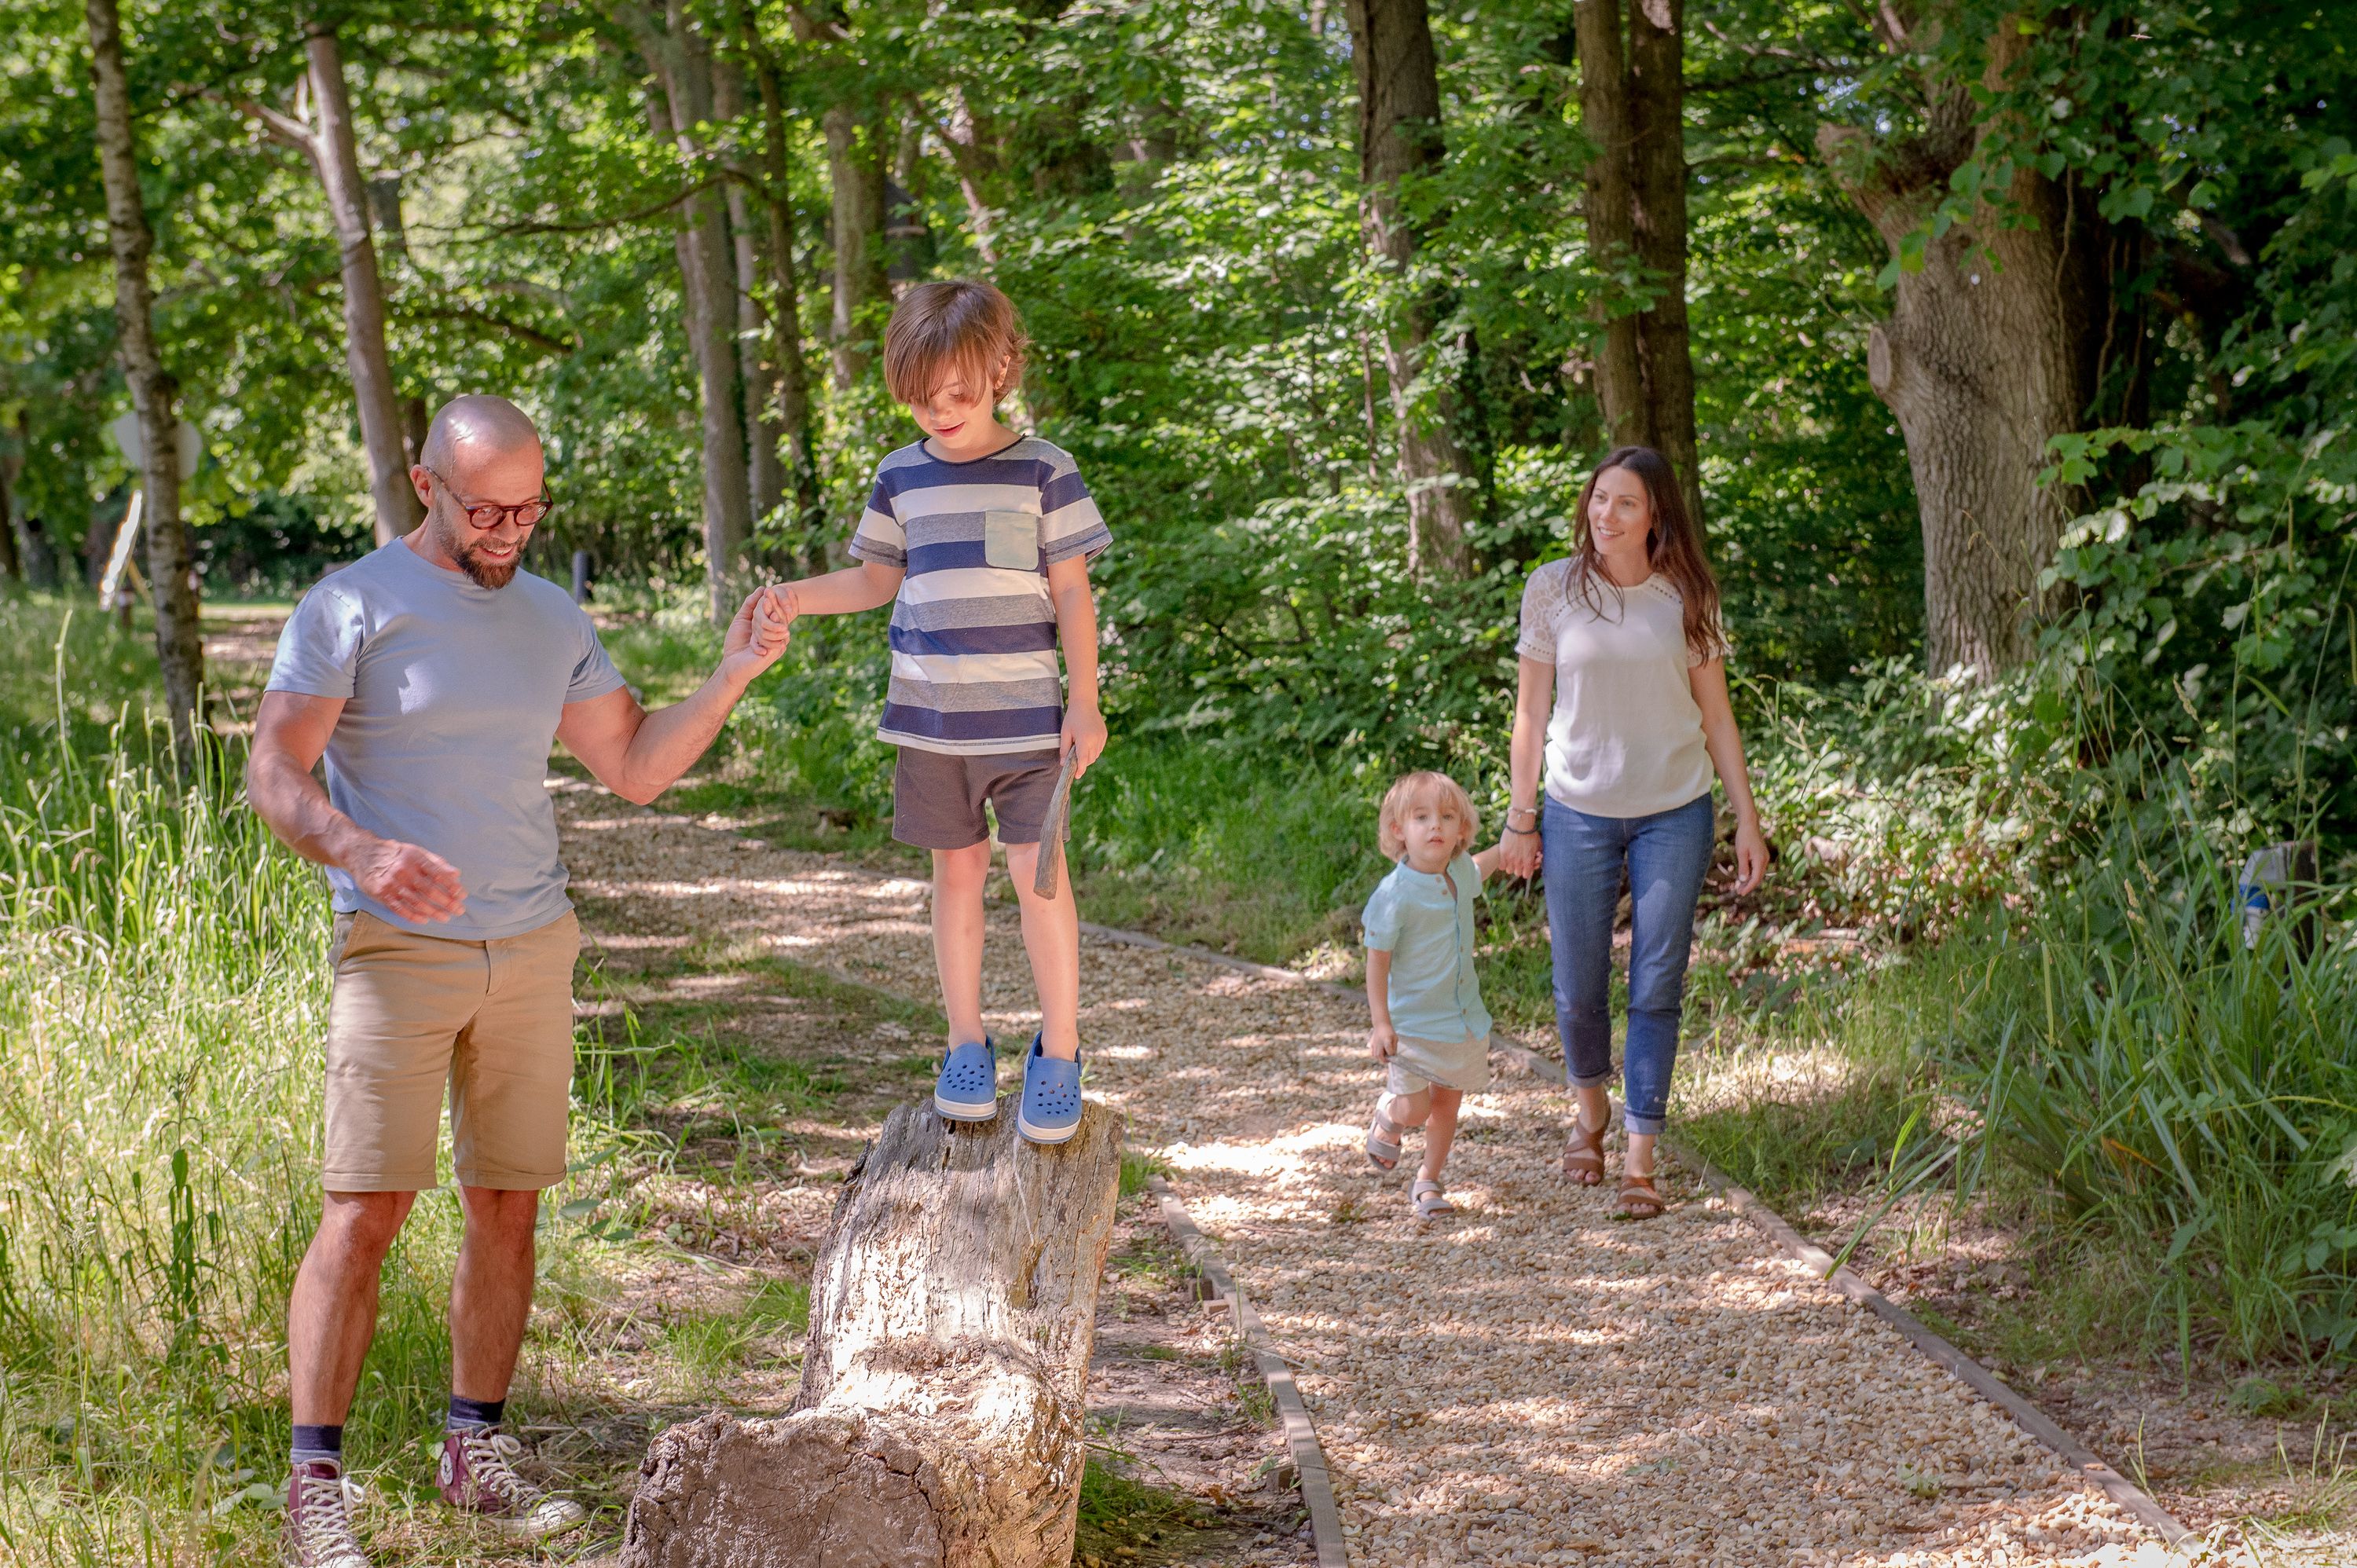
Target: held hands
x=414, y=884
x=1518, y=852
x=758, y=634
x=1383, y=1042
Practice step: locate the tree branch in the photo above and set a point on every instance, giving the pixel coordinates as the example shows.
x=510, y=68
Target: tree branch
x=482, y=318
x=283, y=128
x=588, y=225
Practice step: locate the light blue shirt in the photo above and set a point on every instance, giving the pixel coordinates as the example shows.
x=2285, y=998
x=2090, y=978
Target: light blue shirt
x=452, y=694
x=1429, y=931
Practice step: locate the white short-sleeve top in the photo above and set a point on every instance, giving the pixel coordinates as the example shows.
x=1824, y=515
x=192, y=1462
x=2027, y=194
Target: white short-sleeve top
x=1625, y=739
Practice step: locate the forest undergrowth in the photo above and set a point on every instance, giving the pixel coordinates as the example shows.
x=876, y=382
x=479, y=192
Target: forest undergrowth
x=1929, y=1025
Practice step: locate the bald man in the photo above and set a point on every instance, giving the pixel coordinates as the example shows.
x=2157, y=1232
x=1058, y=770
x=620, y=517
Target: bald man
x=432, y=674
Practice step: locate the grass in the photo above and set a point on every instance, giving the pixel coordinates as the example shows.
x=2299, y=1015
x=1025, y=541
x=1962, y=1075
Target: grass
x=2167, y=1121
x=162, y=989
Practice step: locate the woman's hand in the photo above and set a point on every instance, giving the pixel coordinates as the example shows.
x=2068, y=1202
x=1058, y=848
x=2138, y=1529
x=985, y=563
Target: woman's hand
x=1519, y=853
x=1383, y=1042
x=1751, y=856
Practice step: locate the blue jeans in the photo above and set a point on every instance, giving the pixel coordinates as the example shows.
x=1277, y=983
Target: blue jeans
x=1665, y=855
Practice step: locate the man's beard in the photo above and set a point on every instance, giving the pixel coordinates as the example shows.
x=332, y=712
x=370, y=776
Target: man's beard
x=484, y=574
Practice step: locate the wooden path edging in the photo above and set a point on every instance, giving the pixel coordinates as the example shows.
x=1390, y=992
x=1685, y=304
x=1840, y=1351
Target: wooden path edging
x=1292, y=1412
x=2131, y=1498
x=1301, y=1433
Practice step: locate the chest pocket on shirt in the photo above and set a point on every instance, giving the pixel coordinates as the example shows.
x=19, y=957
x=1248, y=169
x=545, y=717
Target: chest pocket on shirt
x=1011, y=539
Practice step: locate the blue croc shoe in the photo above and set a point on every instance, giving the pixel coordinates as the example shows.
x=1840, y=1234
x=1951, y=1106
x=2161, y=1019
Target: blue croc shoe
x=1051, y=1096
x=967, y=1089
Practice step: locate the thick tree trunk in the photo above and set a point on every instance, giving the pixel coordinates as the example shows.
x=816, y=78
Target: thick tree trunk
x=1990, y=350
x=1657, y=156
x=1632, y=103
x=337, y=157
x=682, y=63
x=855, y=166
x=940, y=1421
x=180, y=649
x=1610, y=185
x=1399, y=135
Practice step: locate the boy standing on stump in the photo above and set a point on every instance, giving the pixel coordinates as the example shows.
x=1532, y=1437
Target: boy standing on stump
x=979, y=539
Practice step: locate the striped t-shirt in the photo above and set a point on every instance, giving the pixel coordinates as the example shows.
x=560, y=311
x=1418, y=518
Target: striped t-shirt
x=973, y=631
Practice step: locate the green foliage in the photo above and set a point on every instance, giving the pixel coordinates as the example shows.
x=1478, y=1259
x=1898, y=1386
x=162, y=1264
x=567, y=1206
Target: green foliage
x=2192, y=1101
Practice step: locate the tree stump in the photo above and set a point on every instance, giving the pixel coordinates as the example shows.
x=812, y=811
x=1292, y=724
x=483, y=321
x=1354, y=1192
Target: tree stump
x=939, y=1423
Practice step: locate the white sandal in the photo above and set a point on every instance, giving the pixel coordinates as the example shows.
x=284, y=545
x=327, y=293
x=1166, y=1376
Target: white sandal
x=1430, y=1202
x=1382, y=1141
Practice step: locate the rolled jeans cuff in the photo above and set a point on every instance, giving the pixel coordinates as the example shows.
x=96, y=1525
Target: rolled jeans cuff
x=1641, y=1126
x=1590, y=1079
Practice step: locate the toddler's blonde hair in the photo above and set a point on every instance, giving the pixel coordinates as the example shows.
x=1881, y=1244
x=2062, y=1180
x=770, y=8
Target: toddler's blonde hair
x=1401, y=797
x=958, y=326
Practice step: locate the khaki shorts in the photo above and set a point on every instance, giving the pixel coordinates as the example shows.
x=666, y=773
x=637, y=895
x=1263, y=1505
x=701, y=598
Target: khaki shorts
x=1418, y=1065
x=492, y=1019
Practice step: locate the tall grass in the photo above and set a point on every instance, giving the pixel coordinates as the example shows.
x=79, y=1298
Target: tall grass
x=163, y=991
x=2191, y=1102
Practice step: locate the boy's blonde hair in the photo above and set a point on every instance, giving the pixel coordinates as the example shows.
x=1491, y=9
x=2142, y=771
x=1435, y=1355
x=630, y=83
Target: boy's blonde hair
x=960, y=326
x=1401, y=797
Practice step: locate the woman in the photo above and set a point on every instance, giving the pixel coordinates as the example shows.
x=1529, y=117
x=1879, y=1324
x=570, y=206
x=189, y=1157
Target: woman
x=1624, y=698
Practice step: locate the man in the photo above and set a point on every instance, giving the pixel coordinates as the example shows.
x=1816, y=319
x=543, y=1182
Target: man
x=432, y=675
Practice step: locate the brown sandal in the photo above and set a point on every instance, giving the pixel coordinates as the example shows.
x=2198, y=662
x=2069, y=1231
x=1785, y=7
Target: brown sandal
x=1640, y=1199
x=1583, y=1155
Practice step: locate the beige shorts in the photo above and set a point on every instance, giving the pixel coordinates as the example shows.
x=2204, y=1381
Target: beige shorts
x=1419, y=1064
x=491, y=1019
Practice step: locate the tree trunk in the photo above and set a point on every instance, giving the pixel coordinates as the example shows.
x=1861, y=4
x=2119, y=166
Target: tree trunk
x=12, y=560
x=179, y=648
x=337, y=157
x=1657, y=156
x=1399, y=135
x=975, y=156
x=682, y=63
x=1990, y=350
x=1632, y=104
x=940, y=1421
x=855, y=166
x=1610, y=186
x=786, y=294
x=764, y=475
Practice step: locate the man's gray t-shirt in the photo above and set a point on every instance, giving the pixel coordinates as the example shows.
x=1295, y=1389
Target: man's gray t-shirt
x=452, y=695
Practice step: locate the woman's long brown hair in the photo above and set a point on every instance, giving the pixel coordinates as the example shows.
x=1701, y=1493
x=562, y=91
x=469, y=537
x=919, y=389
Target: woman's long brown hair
x=1671, y=548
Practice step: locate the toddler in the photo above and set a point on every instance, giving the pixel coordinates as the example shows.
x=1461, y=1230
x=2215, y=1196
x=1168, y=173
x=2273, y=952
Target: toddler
x=980, y=538
x=1430, y=1031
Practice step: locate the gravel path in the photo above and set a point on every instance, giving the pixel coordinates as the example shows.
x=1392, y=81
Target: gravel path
x=1533, y=1382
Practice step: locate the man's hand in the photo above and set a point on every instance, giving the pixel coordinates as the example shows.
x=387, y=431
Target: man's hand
x=1383, y=1042
x=1083, y=727
x=758, y=634
x=414, y=884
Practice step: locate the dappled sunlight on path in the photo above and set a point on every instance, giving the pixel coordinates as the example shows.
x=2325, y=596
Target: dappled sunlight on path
x=1533, y=1382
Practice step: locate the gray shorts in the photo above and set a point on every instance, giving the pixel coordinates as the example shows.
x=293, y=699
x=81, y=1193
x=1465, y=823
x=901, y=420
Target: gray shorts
x=937, y=797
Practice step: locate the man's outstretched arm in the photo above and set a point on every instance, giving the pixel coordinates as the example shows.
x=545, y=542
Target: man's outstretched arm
x=290, y=734
x=639, y=755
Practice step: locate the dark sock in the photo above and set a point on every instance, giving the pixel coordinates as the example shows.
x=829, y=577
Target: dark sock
x=468, y=1414
x=313, y=1443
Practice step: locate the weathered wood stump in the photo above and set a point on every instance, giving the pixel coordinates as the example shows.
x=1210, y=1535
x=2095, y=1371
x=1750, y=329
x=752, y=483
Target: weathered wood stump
x=940, y=1419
